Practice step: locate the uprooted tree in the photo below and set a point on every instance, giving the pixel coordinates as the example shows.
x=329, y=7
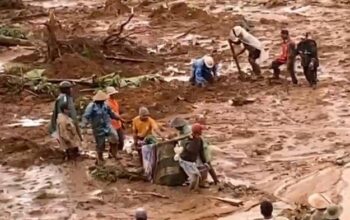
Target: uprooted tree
x=53, y=45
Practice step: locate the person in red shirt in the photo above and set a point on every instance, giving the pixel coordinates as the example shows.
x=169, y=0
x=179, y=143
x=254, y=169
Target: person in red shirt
x=116, y=124
x=287, y=57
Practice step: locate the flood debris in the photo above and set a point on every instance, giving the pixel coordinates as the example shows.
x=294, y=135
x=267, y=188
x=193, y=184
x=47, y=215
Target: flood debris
x=10, y=36
x=297, y=213
x=111, y=173
x=240, y=101
x=12, y=4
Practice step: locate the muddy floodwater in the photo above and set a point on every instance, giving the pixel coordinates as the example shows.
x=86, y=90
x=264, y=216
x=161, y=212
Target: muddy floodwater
x=285, y=143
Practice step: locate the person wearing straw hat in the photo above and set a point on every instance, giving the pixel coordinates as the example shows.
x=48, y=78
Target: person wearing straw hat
x=65, y=97
x=203, y=71
x=99, y=115
x=333, y=212
x=257, y=53
x=320, y=204
x=117, y=124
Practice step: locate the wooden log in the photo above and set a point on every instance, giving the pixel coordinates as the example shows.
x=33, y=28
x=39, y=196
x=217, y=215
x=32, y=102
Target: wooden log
x=10, y=41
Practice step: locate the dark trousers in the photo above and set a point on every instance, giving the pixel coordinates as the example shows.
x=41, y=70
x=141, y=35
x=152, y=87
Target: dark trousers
x=290, y=68
x=310, y=71
x=208, y=77
x=252, y=57
x=120, y=139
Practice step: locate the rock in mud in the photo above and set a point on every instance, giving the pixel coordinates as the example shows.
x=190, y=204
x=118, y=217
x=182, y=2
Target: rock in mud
x=5, y=197
x=49, y=194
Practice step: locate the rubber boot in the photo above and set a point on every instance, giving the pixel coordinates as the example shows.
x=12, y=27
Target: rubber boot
x=100, y=160
x=113, y=150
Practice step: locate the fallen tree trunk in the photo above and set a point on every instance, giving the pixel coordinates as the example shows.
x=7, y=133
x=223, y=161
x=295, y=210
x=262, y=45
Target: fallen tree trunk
x=10, y=41
x=27, y=17
x=130, y=59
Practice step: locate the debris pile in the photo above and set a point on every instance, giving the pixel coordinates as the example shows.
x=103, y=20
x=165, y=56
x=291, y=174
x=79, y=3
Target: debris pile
x=74, y=66
x=111, y=173
x=11, y=4
x=296, y=214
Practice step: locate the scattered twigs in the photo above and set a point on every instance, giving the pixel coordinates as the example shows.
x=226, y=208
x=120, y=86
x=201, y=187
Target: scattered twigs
x=116, y=36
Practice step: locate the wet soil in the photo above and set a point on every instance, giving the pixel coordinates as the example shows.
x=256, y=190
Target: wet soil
x=283, y=145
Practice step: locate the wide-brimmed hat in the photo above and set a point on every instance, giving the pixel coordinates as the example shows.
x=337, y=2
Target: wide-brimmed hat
x=178, y=122
x=100, y=96
x=143, y=112
x=333, y=212
x=318, y=201
x=208, y=61
x=65, y=84
x=111, y=90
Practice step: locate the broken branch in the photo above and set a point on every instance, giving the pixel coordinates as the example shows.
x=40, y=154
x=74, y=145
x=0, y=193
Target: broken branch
x=128, y=59
x=151, y=194
x=121, y=29
x=234, y=202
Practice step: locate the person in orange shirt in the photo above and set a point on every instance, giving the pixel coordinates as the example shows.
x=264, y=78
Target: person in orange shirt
x=143, y=126
x=116, y=124
x=287, y=57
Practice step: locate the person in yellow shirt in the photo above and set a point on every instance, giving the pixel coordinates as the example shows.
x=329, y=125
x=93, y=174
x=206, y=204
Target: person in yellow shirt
x=143, y=126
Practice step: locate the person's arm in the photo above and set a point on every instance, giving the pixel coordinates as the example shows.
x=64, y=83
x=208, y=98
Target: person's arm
x=156, y=129
x=87, y=116
x=112, y=114
x=214, y=70
x=134, y=133
x=237, y=42
x=242, y=51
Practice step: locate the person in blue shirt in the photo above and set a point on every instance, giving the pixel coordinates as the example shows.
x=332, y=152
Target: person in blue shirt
x=203, y=71
x=99, y=115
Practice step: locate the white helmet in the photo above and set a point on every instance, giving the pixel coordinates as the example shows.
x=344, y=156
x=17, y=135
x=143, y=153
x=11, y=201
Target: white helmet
x=208, y=61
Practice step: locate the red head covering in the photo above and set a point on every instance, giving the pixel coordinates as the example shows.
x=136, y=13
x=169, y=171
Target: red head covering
x=197, y=128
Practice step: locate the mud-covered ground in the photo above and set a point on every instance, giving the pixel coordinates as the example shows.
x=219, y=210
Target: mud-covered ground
x=283, y=147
